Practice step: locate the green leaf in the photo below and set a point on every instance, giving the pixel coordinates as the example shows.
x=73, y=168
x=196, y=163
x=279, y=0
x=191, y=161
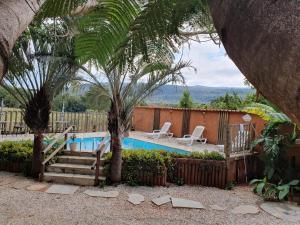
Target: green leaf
x=254, y=181
x=259, y=188
x=293, y=183
x=283, y=193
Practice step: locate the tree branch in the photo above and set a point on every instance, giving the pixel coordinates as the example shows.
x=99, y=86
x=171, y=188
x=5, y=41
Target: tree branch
x=85, y=8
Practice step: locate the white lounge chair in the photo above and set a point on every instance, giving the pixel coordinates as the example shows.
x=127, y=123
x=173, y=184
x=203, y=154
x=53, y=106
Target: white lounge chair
x=163, y=132
x=197, y=135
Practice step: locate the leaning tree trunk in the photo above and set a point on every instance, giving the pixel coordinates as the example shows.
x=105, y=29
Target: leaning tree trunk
x=262, y=37
x=15, y=16
x=115, y=143
x=37, y=155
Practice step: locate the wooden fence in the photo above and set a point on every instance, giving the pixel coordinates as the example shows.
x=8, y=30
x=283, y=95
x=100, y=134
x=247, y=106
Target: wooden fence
x=152, y=179
x=11, y=121
x=211, y=173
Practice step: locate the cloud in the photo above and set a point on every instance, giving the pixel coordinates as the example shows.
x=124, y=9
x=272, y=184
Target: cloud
x=213, y=67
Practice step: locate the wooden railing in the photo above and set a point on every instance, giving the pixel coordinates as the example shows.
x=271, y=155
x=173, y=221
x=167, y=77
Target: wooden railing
x=11, y=121
x=239, y=137
x=50, y=146
x=99, y=153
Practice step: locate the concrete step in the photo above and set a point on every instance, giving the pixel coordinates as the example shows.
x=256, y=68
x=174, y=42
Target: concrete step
x=82, y=153
x=72, y=168
x=67, y=178
x=83, y=160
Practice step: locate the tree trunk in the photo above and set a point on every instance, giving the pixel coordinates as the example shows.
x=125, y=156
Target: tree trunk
x=37, y=155
x=262, y=38
x=115, y=143
x=15, y=16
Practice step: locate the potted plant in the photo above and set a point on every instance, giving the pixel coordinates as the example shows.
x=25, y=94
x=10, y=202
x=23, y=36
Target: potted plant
x=73, y=144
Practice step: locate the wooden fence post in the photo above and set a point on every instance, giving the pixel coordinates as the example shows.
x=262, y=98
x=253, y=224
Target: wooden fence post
x=227, y=151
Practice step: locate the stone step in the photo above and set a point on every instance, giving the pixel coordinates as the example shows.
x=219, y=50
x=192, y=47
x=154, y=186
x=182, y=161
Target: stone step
x=72, y=168
x=67, y=178
x=83, y=160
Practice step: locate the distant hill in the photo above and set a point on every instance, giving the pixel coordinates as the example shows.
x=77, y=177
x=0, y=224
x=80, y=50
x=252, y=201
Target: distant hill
x=201, y=94
x=170, y=94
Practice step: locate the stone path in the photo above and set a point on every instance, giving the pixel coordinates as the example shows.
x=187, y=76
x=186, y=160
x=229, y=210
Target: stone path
x=285, y=211
x=69, y=204
x=62, y=189
x=136, y=199
x=102, y=194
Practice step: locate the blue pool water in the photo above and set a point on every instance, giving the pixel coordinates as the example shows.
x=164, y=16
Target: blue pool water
x=91, y=143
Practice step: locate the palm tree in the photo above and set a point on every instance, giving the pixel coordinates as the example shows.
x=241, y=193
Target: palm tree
x=37, y=73
x=243, y=33
x=125, y=89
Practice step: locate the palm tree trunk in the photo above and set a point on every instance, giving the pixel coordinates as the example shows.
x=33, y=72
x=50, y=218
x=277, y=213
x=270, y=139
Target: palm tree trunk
x=15, y=16
x=262, y=38
x=37, y=155
x=115, y=143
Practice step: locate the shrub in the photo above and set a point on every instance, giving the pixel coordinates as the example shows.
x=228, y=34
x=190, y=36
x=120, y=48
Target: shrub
x=12, y=152
x=154, y=163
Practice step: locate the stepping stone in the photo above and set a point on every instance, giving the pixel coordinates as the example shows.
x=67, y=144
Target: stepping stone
x=62, y=189
x=162, y=200
x=245, y=209
x=216, y=207
x=37, y=187
x=284, y=211
x=103, y=194
x=185, y=203
x=21, y=184
x=135, y=199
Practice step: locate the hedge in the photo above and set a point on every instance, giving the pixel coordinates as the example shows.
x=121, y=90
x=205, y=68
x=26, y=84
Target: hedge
x=16, y=156
x=153, y=163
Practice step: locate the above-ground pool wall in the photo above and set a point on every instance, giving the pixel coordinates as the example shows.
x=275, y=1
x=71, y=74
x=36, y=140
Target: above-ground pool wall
x=185, y=120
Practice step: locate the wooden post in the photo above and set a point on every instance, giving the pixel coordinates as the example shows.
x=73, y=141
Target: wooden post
x=227, y=150
x=66, y=138
x=97, y=167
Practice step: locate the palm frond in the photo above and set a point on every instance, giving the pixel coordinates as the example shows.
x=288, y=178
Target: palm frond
x=118, y=31
x=266, y=112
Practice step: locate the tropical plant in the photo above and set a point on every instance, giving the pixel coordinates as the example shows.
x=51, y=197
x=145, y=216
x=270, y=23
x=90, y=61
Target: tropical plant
x=274, y=155
x=270, y=191
x=125, y=90
x=186, y=100
x=39, y=68
x=266, y=112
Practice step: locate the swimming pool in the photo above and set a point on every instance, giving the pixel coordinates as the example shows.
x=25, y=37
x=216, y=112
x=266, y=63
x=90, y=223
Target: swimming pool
x=91, y=143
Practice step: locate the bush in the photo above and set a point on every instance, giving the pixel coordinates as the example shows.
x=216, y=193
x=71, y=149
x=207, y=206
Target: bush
x=153, y=163
x=19, y=153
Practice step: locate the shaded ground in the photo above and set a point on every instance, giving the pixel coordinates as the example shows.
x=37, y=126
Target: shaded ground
x=19, y=206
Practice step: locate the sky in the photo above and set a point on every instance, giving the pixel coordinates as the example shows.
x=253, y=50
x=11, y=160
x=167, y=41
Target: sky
x=213, y=67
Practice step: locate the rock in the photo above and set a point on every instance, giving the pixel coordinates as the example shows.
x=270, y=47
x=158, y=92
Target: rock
x=162, y=200
x=103, y=194
x=284, y=211
x=245, y=209
x=62, y=189
x=136, y=199
x=185, y=203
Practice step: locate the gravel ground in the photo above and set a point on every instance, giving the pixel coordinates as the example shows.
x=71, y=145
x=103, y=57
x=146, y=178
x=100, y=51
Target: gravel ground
x=19, y=206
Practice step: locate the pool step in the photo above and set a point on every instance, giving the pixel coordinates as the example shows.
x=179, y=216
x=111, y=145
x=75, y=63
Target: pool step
x=72, y=168
x=75, y=179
